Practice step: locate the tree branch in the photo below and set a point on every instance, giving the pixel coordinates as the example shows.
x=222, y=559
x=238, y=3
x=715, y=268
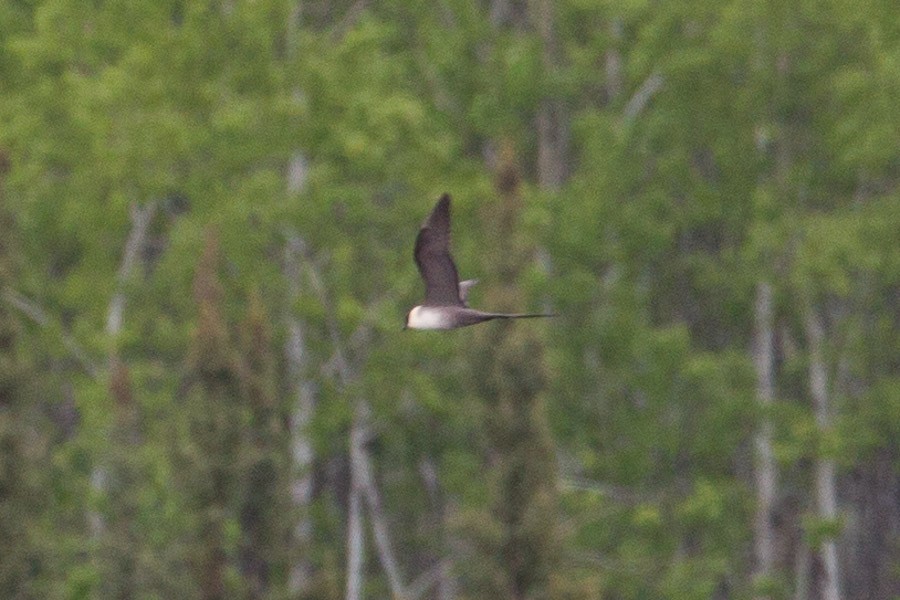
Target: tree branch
x=40, y=317
x=427, y=580
x=350, y=18
x=641, y=97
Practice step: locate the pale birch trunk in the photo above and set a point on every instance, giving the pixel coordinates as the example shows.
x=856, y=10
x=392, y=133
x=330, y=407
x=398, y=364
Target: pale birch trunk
x=141, y=217
x=801, y=571
x=301, y=387
x=362, y=481
x=826, y=488
x=377, y=516
x=641, y=97
x=764, y=466
x=500, y=12
x=613, y=62
x=552, y=120
x=445, y=582
x=355, y=535
x=362, y=487
x=303, y=392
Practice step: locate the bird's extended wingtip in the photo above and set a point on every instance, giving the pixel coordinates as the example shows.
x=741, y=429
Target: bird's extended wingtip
x=440, y=214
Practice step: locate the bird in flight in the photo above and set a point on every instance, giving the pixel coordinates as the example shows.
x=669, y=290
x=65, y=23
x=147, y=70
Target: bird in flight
x=445, y=305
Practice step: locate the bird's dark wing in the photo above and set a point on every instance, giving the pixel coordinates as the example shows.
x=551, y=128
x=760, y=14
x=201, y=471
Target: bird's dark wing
x=433, y=257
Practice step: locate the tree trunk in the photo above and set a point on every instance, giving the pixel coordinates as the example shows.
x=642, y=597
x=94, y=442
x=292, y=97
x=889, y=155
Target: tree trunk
x=613, y=62
x=826, y=489
x=362, y=484
x=141, y=217
x=303, y=392
x=552, y=118
x=446, y=584
x=295, y=352
x=765, y=468
x=508, y=374
x=355, y=534
x=377, y=516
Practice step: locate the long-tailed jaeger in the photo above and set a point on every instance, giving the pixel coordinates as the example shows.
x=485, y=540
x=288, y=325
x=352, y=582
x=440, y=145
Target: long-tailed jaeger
x=445, y=305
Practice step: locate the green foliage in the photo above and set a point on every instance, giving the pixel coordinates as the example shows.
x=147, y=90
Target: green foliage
x=21, y=441
x=710, y=146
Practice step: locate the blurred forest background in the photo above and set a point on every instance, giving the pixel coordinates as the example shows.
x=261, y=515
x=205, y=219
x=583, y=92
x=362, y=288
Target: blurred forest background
x=208, y=212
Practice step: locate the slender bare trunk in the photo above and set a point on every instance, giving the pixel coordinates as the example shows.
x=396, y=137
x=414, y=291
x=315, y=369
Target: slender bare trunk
x=380, y=529
x=295, y=350
x=355, y=534
x=362, y=487
x=765, y=468
x=826, y=489
x=362, y=484
x=362, y=481
x=500, y=12
x=801, y=571
x=141, y=217
x=303, y=392
x=613, y=61
x=358, y=434
x=446, y=584
x=552, y=118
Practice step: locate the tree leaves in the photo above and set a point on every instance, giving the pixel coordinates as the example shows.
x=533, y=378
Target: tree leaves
x=713, y=146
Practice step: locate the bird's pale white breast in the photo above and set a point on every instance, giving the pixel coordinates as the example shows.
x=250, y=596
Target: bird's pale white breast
x=427, y=317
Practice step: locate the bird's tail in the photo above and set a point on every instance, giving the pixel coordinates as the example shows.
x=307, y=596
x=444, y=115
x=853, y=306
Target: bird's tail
x=524, y=315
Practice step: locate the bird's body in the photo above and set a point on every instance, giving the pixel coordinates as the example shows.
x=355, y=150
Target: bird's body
x=451, y=317
x=445, y=305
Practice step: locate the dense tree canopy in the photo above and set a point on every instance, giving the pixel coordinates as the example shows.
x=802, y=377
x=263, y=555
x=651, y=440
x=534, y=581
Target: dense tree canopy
x=207, y=212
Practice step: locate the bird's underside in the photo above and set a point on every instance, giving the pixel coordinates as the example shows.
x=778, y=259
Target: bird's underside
x=453, y=317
